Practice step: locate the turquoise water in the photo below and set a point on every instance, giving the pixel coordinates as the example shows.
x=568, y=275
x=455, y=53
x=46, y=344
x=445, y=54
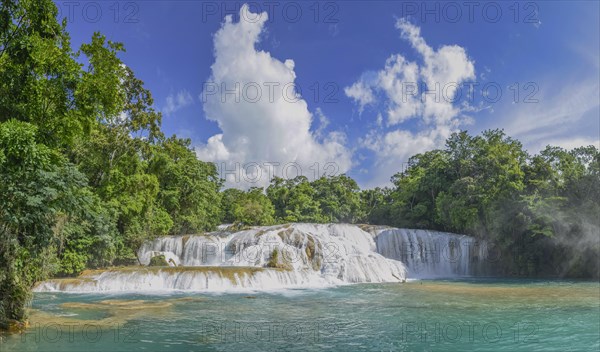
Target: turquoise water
x=437, y=315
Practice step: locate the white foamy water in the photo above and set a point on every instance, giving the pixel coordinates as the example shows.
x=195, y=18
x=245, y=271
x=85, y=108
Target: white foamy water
x=287, y=256
x=432, y=254
x=308, y=255
x=210, y=279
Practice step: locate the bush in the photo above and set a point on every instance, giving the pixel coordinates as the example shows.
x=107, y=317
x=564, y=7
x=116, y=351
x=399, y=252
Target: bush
x=158, y=260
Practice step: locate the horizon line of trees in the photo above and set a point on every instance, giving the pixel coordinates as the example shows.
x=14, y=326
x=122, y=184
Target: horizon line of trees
x=87, y=175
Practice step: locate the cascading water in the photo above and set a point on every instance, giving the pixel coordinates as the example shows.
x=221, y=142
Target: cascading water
x=432, y=254
x=283, y=256
x=286, y=256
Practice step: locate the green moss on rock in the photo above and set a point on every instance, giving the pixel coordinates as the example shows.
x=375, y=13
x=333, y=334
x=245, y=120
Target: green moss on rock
x=158, y=260
x=278, y=262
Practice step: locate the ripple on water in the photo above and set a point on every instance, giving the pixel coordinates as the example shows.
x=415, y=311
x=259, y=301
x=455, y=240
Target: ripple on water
x=532, y=316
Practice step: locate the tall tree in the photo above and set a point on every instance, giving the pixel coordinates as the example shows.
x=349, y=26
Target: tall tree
x=339, y=198
x=294, y=200
x=36, y=186
x=253, y=208
x=188, y=187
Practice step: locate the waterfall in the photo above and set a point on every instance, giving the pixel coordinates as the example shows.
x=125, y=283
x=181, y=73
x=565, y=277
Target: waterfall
x=286, y=256
x=268, y=257
x=432, y=254
x=205, y=279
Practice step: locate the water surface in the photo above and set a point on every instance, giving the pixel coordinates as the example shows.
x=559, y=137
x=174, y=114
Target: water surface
x=430, y=315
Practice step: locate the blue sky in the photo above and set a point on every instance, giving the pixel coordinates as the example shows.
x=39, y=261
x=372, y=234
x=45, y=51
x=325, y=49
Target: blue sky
x=544, y=56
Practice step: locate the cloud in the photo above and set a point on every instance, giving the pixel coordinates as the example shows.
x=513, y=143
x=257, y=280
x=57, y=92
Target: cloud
x=424, y=90
x=570, y=142
x=566, y=118
x=362, y=93
x=265, y=124
x=323, y=123
x=394, y=148
x=176, y=102
x=411, y=90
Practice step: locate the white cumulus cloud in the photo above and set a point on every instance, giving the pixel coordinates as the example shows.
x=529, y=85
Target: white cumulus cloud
x=424, y=90
x=265, y=124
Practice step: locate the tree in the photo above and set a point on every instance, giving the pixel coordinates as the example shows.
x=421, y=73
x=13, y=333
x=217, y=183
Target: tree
x=36, y=186
x=229, y=200
x=39, y=75
x=117, y=154
x=39, y=117
x=339, y=198
x=278, y=193
x=87, y=174
x=294, y=200
x=188, y=187
x=416, y=190
x=539, y=211
x=253, y=208
x=375, y=205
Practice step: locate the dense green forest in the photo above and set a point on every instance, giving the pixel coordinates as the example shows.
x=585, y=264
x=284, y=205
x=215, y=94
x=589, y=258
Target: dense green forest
x=87, y=175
